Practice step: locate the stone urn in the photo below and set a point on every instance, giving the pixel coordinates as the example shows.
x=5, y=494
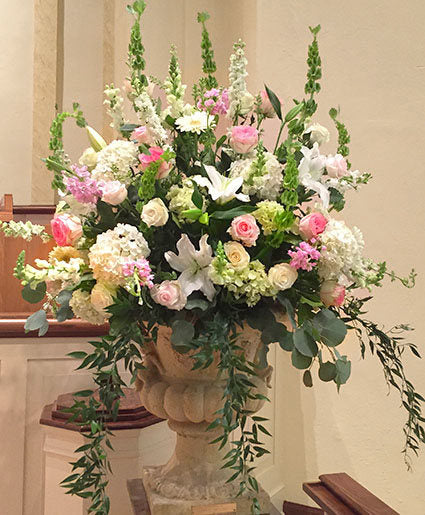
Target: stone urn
x=189, y=399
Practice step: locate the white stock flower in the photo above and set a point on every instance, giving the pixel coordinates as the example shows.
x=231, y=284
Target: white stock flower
x=148, y=116
x=221, y=189
x=114, y=100
x=193, y=265
x=196, y=122
x=240, y=100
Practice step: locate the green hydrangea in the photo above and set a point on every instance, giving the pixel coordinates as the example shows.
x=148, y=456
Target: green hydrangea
x=248, y=284
x=267, y=215
x=180, y=198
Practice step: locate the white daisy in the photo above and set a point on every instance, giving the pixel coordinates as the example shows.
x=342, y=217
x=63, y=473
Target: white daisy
x=196, y=122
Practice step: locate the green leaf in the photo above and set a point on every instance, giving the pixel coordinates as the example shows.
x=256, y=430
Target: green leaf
x=343, y=370
x=37, y=320
x=197, y=198
x=34, y=295
x=327, y=371
x=305, y=343
x=299, y=360
x=292, y=113
x=197, y=304
x=192, y=214
x=287, y=341
x=275, y=102
x=286, y=303
x=331, y=328
x=232, y=213
x=64, y=297
x=78, y=354
x=307, y=379
x=183, y=333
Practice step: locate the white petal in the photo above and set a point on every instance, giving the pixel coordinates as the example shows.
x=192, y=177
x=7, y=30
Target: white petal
x=204, y=254
x=207, y=287
x=186, y=254
x=242, y=197
x=190, y=282
x=202, y=181
x=216, y=179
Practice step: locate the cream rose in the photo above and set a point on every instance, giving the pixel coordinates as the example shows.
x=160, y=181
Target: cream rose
x=102, y=296
x=236, y=254
x=155, y=213
x=114, y=192
x=88, y=158
x=282, y=276
x=318, y=133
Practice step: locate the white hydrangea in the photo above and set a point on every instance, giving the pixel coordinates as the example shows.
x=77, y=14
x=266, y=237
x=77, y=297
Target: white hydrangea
x=266, y=186
x=114, y=161
x=114, y=100
x=240, y=100
x=148, y=116
x=180, y=199
x=112, y=249
x=342, y=254
x=84, y=309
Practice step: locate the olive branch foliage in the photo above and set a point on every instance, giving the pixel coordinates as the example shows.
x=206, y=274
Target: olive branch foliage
x=211, y=329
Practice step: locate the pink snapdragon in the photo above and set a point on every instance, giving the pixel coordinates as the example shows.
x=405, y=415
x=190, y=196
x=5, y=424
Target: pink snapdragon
x=143, y=270
x=214, y=101
x=155, y=154
x=82, y=186
x=304, y=256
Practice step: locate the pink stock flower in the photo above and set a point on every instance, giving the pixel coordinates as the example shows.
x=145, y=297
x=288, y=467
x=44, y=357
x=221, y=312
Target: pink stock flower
x=169, y=294
x=243, y=138
x=332, y=293
x=245, y=229
x=266, y=107
x=155, y=154
x=142, y=135
x=143, y=269
x=312, y=225
x=304, y=256
x=336, y=166
x=82, y=186
x=66, y=229
x=214, y=101
x=114, y=192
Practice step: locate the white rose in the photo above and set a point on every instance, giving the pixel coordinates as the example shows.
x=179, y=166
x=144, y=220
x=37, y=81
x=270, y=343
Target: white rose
x=88, y=158
x=114, y=192
x=318, y=133
x=236, y=254
x=246, y=103
x=155, y=213
x=101, y=296
x=282, y=276
x=336, y=166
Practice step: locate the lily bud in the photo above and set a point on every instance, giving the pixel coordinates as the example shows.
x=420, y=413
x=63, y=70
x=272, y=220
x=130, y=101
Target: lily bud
x=96, y=140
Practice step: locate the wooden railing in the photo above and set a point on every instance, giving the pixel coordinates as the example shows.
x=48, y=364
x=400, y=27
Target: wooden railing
x=13, y=309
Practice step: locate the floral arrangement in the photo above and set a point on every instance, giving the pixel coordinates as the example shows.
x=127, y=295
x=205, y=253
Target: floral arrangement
x=180, y=223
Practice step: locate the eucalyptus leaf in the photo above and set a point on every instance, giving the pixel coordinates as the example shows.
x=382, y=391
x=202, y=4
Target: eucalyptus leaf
x=37, y=320
x=343, y=370
x=305, y=343
x=327, y=371
x=299, y=360
x=197, y=304
x=183, y=333
x=331, y=328
x=307, y=379
x=34, y=295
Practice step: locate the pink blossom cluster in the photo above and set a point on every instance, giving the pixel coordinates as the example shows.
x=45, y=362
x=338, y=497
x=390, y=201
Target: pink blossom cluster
x=82, y=186
x=214, y=101
x=304, y=256
x=143, y=269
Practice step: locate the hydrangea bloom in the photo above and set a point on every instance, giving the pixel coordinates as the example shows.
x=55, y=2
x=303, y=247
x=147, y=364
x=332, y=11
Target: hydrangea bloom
x=113, y=249
x=180, y=200
x=82, y=186
x=83, y=308
x=115, y=160
x=266, y=186
x=342, y=258
x=266, y=215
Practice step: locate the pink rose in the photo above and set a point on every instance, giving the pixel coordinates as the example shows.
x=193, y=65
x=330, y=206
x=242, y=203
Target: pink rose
x=332, y=293
x=169, y=294
x=114, y=192
x=266, y=107
x=154, y=155
x=66, y=229
x=312, y=225
x=142, y=135
x=243, y=138
x=245, y=229
x=336, y=166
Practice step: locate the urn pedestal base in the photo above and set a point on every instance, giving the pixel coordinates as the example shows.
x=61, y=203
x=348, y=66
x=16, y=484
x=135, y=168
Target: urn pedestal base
x=160, y=505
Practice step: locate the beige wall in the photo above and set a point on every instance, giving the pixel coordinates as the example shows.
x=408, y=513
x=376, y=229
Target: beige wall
x=373, y=68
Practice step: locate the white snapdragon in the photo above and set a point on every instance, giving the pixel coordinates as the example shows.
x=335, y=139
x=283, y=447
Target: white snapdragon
x=24, y=230
x=148, y=116
x=266, y=186
x=114, y=102
x=241, y=101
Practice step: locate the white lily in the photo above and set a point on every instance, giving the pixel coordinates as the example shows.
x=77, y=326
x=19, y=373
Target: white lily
x=221, y=189
x=193, y=265
x=311, y=170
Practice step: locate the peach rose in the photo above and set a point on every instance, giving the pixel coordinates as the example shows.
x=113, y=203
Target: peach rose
x=243, y=138
x=312, y=225
x=245, y=229
x=169, y=294
x=332, y=293
x=236, y=254
x=114, y=192
x=66, y=229
x=142, y=135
